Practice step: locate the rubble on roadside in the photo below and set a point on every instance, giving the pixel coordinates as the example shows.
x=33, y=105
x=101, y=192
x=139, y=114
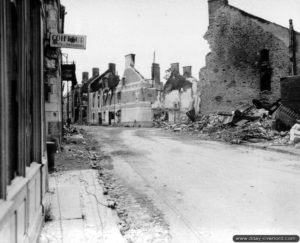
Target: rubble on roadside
x=251, y=125
x=70, y=130
x=295, y=134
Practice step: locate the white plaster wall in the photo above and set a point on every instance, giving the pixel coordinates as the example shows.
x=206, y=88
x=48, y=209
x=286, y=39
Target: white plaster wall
x=185, y=99
x=21, y=215
x=171, y=99
x=138, y=113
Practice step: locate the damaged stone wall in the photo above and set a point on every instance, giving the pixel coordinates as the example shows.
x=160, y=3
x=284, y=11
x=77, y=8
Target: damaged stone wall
x=231, y=78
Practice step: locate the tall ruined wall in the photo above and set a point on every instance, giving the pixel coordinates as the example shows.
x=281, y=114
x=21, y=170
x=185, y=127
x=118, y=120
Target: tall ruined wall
x=231, y=78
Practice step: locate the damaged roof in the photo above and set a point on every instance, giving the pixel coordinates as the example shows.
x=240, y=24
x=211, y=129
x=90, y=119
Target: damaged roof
x=98, y=83
x=84, y=88
x=176, y=82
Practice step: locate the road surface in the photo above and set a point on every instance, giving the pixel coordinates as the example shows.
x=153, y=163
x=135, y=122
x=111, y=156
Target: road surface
x=207, y=191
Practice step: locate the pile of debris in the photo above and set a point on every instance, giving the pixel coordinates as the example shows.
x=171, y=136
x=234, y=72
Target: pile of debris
x=255, y=124
x=70, y=130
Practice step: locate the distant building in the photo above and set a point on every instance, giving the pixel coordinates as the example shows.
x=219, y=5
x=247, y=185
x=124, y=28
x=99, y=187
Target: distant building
x=102, y=98
x=80, y=99
x=137, y=94
x=248, y=57
x=181, y=94
x=125, y=102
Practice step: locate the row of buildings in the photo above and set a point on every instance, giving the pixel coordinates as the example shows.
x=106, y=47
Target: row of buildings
x=31, y=111
x=130, y=100
x=249, y=56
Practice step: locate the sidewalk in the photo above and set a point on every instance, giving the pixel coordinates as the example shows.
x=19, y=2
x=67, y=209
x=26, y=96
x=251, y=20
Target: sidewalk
x=77, y=205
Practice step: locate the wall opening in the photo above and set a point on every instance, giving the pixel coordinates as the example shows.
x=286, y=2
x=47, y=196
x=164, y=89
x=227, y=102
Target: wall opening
x=265, y=70
x=99, y=118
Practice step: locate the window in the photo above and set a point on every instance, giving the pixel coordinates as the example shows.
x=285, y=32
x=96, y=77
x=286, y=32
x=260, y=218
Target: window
x=94, y=97
x=98, y=99
x=265, y=70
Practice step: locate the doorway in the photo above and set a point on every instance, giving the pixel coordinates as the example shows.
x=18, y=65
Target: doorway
x=99, y=118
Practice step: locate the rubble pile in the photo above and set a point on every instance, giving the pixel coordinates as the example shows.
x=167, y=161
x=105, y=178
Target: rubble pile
x=70, y=130
x=251, y=125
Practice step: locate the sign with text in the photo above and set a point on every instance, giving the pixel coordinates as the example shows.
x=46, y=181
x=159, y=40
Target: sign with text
x=68, y=41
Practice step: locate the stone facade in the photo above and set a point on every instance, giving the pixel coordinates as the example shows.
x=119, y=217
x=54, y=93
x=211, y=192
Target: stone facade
x=128, y=103
x=52, y=72
x=246, y=52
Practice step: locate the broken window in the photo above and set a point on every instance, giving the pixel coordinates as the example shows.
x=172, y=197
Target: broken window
x=265, y=70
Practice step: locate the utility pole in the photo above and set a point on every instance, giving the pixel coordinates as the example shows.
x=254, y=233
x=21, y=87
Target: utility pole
x=68, y=101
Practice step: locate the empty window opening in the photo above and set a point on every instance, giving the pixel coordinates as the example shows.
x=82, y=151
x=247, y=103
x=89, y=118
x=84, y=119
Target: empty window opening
x=265, y=70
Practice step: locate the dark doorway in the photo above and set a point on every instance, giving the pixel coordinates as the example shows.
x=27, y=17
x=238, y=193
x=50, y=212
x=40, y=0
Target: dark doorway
x=265, y=70
x=100, y=118
x=76, y=114
x=111, y=116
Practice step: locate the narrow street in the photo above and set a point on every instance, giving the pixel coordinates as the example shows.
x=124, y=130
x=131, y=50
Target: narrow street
x=205, y=191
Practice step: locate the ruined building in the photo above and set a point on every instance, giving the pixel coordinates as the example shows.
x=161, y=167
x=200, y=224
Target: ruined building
x=102, y=98
x=124, y=102
x=181, y=93
x=248, y=57
x=137, y=94
x=79, y=98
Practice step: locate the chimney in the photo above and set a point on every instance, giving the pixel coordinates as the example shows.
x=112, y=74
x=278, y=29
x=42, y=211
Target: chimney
x=187, y=71
x=112, y=67
x=129, y=60
x=155, y=73
x=85, y=76
x=95, y=71
x=213, y=6
x=175, y=67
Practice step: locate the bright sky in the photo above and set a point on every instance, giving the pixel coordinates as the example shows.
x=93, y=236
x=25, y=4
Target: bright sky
x=174, y=29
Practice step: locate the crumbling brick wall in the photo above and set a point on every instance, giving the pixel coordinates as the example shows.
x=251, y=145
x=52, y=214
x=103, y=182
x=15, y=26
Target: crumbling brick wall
x=231, y=78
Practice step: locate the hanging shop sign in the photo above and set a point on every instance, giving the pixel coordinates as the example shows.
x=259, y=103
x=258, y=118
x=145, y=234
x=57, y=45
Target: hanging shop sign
x=68, y=41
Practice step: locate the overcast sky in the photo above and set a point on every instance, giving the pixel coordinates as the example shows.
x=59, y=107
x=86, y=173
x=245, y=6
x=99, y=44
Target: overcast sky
x=174, y=29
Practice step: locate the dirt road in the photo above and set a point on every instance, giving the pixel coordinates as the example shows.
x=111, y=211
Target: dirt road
x=206, y=191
